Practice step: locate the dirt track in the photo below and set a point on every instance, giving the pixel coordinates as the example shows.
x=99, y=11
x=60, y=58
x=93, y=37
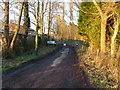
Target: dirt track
x=59, y=70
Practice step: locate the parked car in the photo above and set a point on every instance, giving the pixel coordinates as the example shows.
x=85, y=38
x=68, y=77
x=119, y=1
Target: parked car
x=51, y=42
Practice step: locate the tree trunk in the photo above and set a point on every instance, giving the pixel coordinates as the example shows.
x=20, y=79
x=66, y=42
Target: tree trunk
x=113, y=42
x=103, y=32
x=103, y=26
x=26, y=24
x=63, y=9
x=17, y=29
x=42, y=17
x=6, y=22
x=37, y=28
x=49, y=20
x=118, y=55
x=71, y=11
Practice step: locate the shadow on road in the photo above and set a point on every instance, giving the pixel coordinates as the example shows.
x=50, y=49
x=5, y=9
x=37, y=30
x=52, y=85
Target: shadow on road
x=40, y=74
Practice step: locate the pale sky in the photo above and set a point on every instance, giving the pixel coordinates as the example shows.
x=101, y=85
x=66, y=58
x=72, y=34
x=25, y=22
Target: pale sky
x=14, y=10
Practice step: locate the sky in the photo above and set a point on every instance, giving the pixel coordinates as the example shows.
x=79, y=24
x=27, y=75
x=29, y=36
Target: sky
x=67, y=0
x=14, y=10
x=39, y=0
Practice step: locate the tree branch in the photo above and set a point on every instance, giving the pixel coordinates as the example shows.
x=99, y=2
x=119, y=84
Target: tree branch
x=98, y=7
x=88, y=12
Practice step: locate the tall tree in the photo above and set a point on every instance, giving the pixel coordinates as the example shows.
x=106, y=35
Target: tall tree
x=103, y=26
x=6, y=21
x=49, y=19
x=26, y=24
x=37, y=27
x=63, y=9
x=71, y=10
x=18, y=28
x=42, y=17
x=104, y=14
x=116, y=27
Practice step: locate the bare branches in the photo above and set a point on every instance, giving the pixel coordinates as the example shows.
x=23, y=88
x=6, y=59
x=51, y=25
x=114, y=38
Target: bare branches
x=88, y=12
x=33, y=13
x=17, y=29
x=1, y=7
x=33, y=23
x=98, y=7
x=77, y=3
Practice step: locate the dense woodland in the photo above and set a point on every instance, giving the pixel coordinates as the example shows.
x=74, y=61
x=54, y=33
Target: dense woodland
x=98, y=25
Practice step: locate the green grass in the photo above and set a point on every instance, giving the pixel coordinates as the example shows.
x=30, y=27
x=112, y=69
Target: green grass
x=18, y=60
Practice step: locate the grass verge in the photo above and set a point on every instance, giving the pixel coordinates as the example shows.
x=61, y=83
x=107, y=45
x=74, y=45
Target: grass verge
x=102, y=70
x=18, y=60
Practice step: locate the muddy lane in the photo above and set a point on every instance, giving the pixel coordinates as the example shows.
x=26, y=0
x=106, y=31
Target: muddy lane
x=60, y=70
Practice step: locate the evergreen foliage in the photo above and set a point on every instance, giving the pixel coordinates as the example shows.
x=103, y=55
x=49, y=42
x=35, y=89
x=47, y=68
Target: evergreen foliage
x=89, y=23
x=26, y=24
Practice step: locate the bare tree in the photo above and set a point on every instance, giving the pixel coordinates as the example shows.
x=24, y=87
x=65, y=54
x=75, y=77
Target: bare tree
x=43, y=13
x=6, y=22
x=104, y=16
x=18, y=27
x=26, y=24
x=49, y=18
x=42, y=17
x=37, y=27
x=116, y=29
x=71, y=10
x=63, y=9
x=76, y=3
